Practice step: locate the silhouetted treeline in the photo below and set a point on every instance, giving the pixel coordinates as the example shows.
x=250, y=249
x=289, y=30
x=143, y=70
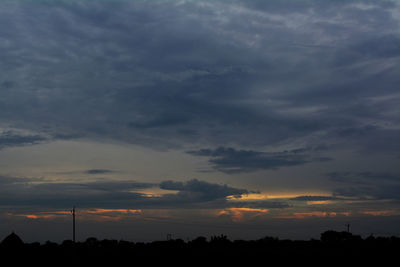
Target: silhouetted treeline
x=333, y=247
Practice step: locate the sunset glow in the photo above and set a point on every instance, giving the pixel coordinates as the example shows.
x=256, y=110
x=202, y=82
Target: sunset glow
x=301, y=215
x=85, y=214
x=320, y=202
x=242, y=214
x=380, y=212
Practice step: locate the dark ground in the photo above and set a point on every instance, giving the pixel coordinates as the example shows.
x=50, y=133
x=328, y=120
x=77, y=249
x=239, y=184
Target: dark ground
x=332, y=249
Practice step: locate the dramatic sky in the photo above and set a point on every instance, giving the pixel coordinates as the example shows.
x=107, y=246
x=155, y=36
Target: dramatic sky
x=245, y=118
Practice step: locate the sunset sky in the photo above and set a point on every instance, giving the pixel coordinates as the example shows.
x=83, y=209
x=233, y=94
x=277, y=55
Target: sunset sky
x=246, y=118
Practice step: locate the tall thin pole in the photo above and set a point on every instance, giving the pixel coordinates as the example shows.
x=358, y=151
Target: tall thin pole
x=73, y=224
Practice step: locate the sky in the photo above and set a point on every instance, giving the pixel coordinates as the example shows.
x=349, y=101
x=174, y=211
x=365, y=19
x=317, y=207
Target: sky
x=195, y=118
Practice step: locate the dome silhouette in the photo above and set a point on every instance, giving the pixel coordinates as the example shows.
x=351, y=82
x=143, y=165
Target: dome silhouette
x=12, y=240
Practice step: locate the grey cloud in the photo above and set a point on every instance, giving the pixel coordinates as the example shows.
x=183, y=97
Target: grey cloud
x=377, y=192
x=230, y=160
x=386, y=46
x=94, y=187
x=193, y=194
x=6, y=180
x=98, y=171
x=119, y=186
x=12, y=138
x=200, y=190
x=200, y=194
x=366, y=176
x=313, y=198
x=260, y=205
x=369, y=138
x=34, y=191
x=116, y=194
x=367, y=185
x=146, y=77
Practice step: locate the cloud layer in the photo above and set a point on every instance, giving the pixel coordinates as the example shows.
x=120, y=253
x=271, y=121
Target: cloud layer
x=36, y=193
x=167, y=73
x=375, y=185
x=230, y=160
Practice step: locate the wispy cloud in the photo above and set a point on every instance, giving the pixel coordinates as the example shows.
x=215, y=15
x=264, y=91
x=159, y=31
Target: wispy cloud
x=98, y=171
x=11, y=138
x=242, y=214
x=230, y=160
x=118, y=195
x=83, y=214
x=313, y=198
x=367, y=185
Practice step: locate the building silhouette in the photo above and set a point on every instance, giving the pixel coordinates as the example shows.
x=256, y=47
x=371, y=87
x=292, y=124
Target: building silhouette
x=12, y=241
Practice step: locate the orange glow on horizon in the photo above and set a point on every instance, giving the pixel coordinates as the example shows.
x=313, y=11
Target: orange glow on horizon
x=43, y=215
x=313, y=214
x=271, y=196
x=320, y=202
x=242, y=214
x=123, y=211
x=92, y=214
x=319, y=214
x=154, y=192
x=247, y=197
x=378, y=212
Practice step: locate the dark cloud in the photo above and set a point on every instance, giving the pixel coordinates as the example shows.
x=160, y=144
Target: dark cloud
x=32, y=192
x=204, y=195
x=98, y=171
x=371, y=191
x=386, y=46
x=6, y=180
x=328, y=7
x=200, y=190
x=12, y=138
x=366, y=176
x=313, y=198
x=230, y=160
x=252, y=73
x=260, y=205
x=367, y=185
x=39, y=192
x=370, y=138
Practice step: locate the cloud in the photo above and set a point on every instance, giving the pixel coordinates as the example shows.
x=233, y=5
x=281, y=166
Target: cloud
x=36, y=192
x=9, y=180
x=259, y=204
x=33, y=192
x=370, y=191
x=303, y=215
x=243, y=80
x=367, y=185
x=230, y=160
x=98, y=171
x=28, y=194
x=313, y=198
x=14, y=138
x=359, y=177
x=251, y=74
x=83, y=214
x=370, y=138
x=242, y=214
x=195, y=190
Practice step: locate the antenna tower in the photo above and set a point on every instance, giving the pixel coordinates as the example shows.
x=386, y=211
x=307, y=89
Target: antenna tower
x=73, y=224
x=348, y=227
